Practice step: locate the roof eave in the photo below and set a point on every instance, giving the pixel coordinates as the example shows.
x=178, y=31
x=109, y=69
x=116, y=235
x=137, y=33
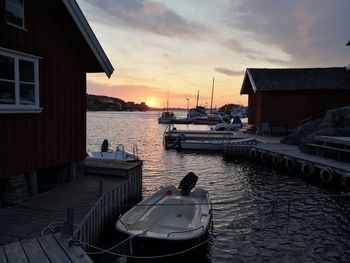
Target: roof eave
x=89, y=36
x=248, y=73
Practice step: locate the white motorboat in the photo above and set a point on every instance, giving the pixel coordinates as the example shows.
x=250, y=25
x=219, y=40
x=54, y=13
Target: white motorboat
x=213, y=145
x=172, y=136
x=171, y=214
x=233, y=125
x=167, y=117
x=118, y=154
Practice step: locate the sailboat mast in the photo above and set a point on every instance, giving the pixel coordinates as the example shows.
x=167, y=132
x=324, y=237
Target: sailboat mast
x=197, y=98
x=212, y=92
x=167, y=99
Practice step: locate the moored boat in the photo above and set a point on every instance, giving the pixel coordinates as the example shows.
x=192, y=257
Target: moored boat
x=233, y=125
x=172, y=135
x=167, y=117
x=170, y=214
x=118, y=154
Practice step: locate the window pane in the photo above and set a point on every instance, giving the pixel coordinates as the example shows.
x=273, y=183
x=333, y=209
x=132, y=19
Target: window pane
x=27, y=94
x=26, y=71
x=7, y=66
x=7, y=92
x=15, y=12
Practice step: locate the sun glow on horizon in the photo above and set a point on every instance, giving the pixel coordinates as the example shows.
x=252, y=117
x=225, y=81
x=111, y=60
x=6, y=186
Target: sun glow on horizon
x=151, y=103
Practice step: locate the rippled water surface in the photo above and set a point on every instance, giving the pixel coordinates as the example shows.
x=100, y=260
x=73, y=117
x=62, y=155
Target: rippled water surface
x=259, y=214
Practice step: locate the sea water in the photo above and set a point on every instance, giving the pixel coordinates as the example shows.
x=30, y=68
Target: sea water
x=259, y=214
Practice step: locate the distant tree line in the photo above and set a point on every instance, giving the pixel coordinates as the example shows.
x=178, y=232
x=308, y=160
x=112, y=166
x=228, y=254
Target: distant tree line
x=228, y=107
x=105, y=103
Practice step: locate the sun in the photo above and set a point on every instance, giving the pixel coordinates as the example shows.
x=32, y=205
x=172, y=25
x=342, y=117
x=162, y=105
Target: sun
x=151, y=103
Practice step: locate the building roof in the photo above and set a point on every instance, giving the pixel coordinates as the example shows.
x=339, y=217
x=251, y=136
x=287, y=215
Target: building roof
x=89, y=36
x=337, y=78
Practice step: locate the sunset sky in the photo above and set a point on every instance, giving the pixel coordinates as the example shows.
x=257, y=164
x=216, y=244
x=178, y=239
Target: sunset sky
x=178, y=46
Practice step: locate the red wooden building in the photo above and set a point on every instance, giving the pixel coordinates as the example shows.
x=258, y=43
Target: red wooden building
x=280, y=98
x=46, y=49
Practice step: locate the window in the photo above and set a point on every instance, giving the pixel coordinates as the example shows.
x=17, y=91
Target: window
x=19, y=84
x=15, y=12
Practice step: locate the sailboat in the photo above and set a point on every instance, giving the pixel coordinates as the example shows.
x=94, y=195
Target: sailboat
x=197, y=112
x=167, y=117
x=211, y=119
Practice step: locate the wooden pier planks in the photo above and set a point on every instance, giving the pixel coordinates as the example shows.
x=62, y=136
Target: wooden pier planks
x=15, y=253
x=45, y=249
x=34, y=251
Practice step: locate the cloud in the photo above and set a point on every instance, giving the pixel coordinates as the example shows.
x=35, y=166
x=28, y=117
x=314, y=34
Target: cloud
x=229, y=72
x=237, y=47
x=146, y=16
x=313, y=33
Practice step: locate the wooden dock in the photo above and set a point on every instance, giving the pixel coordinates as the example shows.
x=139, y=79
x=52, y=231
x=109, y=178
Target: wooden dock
x=96, y=199
x=293, y=160
x=48, y=248
x=293, y=151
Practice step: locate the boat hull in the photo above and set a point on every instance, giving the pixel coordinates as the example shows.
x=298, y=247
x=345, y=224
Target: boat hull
x=142, y=246
x=214, y=145
x=171, y=135
x=113, y=155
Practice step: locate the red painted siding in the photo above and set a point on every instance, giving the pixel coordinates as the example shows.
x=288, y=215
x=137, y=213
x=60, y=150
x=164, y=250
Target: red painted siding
x=288, y=108
x=58, y=134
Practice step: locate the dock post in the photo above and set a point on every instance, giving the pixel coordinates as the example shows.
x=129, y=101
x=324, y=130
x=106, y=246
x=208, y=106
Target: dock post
x=33, y=183
x=68, y=225
x=100, y=188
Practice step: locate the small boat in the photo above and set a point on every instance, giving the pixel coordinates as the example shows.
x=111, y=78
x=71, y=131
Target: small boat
x=167, y=117
x=118, y=154
x=170, y=214
x=208, y=120
x=212, y=145
x=233, y=125
x=199, y=111
x=172, y=135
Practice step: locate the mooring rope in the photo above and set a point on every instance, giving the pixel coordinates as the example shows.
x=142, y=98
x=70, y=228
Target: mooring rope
x=149, y=257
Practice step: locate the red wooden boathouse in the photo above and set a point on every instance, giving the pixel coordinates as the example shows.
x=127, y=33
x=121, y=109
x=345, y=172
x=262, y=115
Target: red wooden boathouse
x=46, y=49
x=278, y=99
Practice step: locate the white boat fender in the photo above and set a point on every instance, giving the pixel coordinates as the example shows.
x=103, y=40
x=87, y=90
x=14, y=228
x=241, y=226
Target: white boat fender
x=277, y=160
x=264, y=157
x=307, y=168
x=253, y=153
x=326, y=175
x=345, y=181
x=290, y=164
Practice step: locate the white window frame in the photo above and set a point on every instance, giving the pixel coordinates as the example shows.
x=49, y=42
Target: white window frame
x=17, y=107
x=12, y=24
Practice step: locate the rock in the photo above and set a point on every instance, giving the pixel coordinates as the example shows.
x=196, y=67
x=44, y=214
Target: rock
x=336, y=122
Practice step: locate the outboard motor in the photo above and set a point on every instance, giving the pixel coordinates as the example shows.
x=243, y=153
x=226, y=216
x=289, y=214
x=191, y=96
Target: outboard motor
x=187, y=183
x=177, y=144
x=104, y=146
